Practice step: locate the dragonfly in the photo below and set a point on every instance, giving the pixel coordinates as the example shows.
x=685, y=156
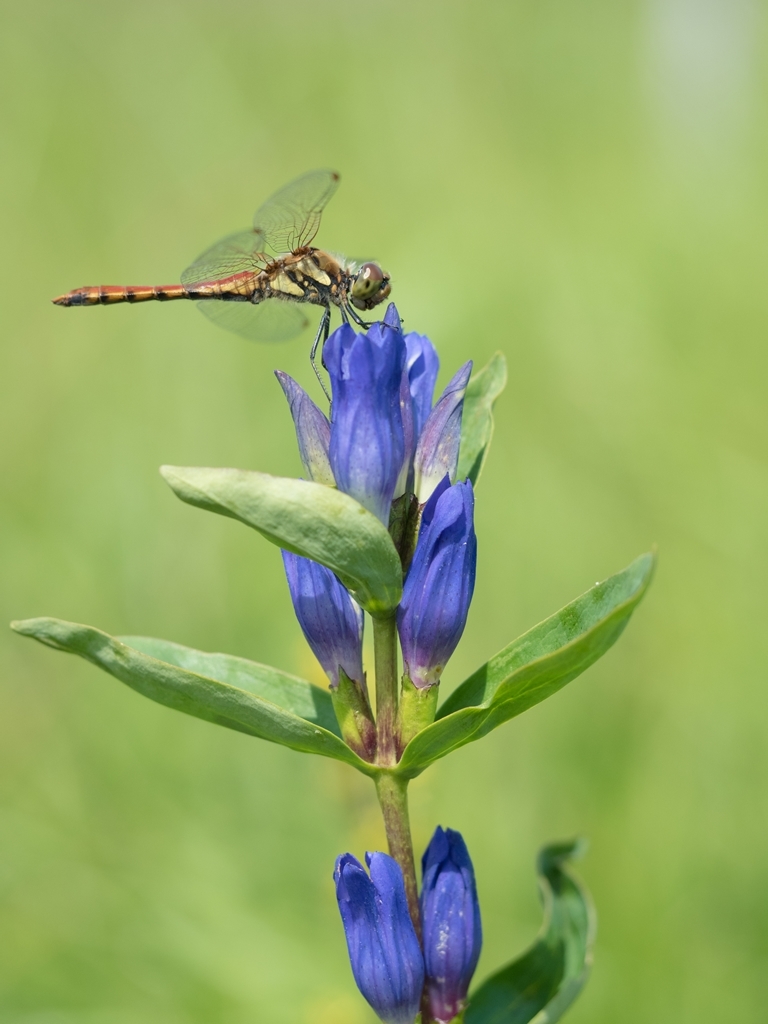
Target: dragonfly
x=255, y=282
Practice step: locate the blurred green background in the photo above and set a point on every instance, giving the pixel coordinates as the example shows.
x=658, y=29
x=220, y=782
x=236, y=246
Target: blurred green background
x=580, y=184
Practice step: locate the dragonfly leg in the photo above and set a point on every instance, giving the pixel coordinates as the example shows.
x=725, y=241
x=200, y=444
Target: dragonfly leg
x=358, y=319
x=322, y=334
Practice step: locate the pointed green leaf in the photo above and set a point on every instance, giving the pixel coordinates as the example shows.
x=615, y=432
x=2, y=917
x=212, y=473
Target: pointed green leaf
x=236, y=701
x=289, y=692
x=540, y=985
x=484, y=388
x=533, y=667
x=307, y=518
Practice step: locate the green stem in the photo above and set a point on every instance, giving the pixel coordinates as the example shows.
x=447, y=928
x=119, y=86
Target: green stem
x=385, y=661
x=391, y=790
x=393, y=799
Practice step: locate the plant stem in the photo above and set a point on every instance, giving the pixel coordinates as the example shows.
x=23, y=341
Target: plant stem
x=385, y=661
x=391, y=790
x=393, y=799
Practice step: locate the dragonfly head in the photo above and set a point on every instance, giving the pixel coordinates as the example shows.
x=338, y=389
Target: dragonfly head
x=370, y=286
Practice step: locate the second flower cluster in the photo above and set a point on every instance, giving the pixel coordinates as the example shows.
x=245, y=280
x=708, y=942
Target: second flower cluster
x=395, y=972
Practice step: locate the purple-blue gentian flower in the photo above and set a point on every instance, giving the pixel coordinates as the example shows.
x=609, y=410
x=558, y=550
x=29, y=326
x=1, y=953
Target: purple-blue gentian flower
x=416, y=390
x=440, y=582
x=432, y=436
x=450, y=921
x=384, y=951
x=437, y=451
x=330, y=620
x=422, y=364
x=313, y=431
x=392, y=318
x=367, y=446
x=421, y=367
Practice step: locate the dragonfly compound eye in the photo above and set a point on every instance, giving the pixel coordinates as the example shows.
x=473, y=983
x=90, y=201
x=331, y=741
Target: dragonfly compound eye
x=370, y=287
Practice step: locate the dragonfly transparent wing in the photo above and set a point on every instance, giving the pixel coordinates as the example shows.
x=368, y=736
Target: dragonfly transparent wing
x=291, y=217
x=271, y=320
x=243, y=251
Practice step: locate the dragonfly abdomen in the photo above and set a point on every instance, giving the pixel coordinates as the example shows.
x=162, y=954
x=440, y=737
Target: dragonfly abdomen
x=107, y=294
x=237, y=286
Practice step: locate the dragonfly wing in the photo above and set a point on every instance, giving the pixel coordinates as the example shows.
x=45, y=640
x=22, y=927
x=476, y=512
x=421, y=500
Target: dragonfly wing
x=243, y=251
x=291, y=217
x=270, y=320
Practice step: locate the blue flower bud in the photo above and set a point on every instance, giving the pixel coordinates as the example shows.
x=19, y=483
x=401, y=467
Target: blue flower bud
x=330, y=620
x=383, y=949
x=450, y=921
x=313, y=431
x=422, y=363
x=392, y=318
x=439, y=585
x=416, y=389
x=437, y=451
x=367, y=447
x=405, y=479
x=421, y=367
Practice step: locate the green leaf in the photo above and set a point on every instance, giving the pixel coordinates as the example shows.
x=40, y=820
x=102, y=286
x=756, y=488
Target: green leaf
x=289, y=692
x=533, y=667
x=233, y=692
x=307, y=518
x=484, y=388
x=540, y=985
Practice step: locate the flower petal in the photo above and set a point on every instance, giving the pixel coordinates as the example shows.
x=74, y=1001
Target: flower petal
x=384, y=951
x=313, y=431
x=450, y=919
x=439, y=586
x=330, y=620
x=367, y=445
x=437, y=451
